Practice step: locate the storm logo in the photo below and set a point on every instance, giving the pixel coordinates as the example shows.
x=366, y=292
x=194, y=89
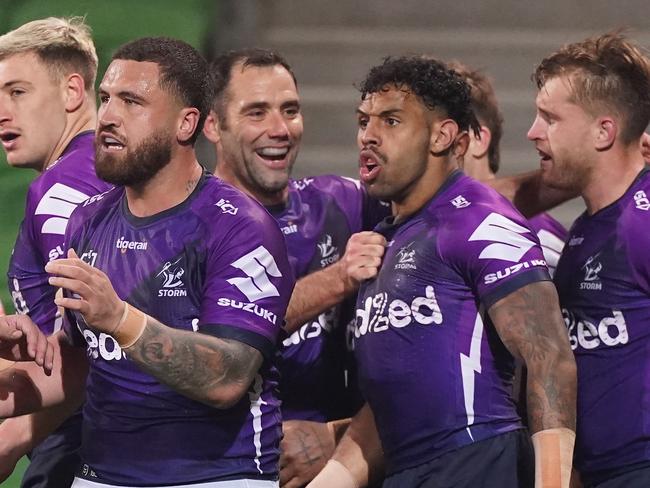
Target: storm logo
x=171, y=274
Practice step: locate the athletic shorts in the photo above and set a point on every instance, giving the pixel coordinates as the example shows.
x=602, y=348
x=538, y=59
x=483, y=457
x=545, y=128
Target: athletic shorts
x=504, y=461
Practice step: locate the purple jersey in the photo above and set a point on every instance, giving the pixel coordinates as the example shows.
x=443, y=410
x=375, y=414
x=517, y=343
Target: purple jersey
x=215, y=264
x=51, y=198
x=431, y=364
x=320, y=216
x=603, y=279
x=551, y=235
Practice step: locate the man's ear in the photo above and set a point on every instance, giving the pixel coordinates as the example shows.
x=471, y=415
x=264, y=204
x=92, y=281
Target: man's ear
x=606, y=132
x=211, y=129
x=461, y=146
x=645, y=146
x=189, y=121
x=74, y=92
x=443, y=136
x=478, y=147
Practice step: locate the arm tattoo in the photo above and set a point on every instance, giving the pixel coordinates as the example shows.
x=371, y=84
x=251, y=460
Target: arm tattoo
x=531, y=326
x=199, y=366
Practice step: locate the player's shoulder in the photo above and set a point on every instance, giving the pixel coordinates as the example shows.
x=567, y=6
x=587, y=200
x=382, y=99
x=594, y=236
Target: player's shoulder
x=330, y=186
x=221, y=204
x=635, y=203
x=546, y=222
x=464, y=202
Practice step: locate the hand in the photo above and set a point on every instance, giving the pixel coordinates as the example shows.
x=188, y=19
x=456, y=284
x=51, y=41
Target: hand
x=305, y=449
x=21, y=340
x=98, y=303
x=362, y=258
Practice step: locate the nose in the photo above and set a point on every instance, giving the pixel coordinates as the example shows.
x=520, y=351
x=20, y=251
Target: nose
x=107, y=115
x=368, y=135
x=278, y=127
x=536, y=130
x=5, y=113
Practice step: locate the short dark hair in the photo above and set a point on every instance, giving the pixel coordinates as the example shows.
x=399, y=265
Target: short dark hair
x=605, y=72
x=221, y=69
x=486, y=108
x=183, y=71
x=437, y=86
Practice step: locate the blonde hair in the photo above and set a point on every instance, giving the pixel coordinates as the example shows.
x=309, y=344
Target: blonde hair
x=64, y=45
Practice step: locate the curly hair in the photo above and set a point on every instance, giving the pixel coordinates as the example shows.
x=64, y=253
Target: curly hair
x=183, y=71
x=435, y=85
x=486, y=108
x=606, y=72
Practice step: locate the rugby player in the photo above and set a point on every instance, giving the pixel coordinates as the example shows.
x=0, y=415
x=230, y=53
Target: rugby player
x=593, y=105
x=177, y=298
x=47, y=121
x=462, y=291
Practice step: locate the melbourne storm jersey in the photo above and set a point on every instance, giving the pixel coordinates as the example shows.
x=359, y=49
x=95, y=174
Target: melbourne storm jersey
x=215, y=264
x=603, y=279
x=551, y=235
x=51, y=199
x=318, y=219
x=431, y=364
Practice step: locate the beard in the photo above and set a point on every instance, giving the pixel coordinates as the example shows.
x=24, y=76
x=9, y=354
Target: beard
x=138, y=166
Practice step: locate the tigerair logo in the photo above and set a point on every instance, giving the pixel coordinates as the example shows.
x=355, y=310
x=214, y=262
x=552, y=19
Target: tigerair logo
x=123, y=245
x=289, y=229
x=172, y=283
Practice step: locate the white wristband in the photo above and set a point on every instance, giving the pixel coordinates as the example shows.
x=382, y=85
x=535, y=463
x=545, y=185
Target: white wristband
x=334, y=474
x=553, y=457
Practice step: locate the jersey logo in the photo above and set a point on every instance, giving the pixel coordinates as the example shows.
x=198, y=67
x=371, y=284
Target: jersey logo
x=592, y=267
x=328, y=251
x=227, y=207
x=460, y=202
x=507, y=242
x=59, y=201
x=173, y=285
x=406, y=257
x=257, y=265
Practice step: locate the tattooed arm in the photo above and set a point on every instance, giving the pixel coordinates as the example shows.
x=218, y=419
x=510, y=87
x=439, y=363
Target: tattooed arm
x=205, y=368
x=531, y=326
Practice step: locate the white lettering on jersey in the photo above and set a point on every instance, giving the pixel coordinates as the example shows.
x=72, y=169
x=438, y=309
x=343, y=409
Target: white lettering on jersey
x=98, y=346
x=641, y=200
x=610, y=331
x=59, y=201
x=17, y=297
x=378, y=314
x=508, y=243
x=324, y=323
x=256, y=402
x=258, y=265
x=468, y=366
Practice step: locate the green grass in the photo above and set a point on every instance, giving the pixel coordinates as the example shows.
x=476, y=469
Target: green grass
x=113, y=23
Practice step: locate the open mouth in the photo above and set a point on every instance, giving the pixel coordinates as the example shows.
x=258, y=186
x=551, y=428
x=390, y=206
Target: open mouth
x=274, y=156
x=111, y=143
x=8, y=139
x=369, y=167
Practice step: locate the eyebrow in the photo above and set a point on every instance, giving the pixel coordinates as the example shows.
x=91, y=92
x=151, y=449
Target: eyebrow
x=125, y=94
x=383, y=113
x=14, y=82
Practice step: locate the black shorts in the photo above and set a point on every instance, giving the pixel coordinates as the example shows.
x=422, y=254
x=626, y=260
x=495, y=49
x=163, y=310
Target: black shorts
x=634, y=476
x=503, y=461
x=54, y=462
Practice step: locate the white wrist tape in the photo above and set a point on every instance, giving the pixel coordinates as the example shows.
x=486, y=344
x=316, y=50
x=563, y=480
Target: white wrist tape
x=334, y=474
x=553, y=457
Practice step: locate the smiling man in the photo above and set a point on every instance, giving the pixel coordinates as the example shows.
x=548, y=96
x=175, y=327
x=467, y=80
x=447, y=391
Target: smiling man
x=461, y=292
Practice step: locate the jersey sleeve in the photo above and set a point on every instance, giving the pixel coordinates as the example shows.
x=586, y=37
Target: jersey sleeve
x=636, y=242
x=248, y=285
x=498, y=253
